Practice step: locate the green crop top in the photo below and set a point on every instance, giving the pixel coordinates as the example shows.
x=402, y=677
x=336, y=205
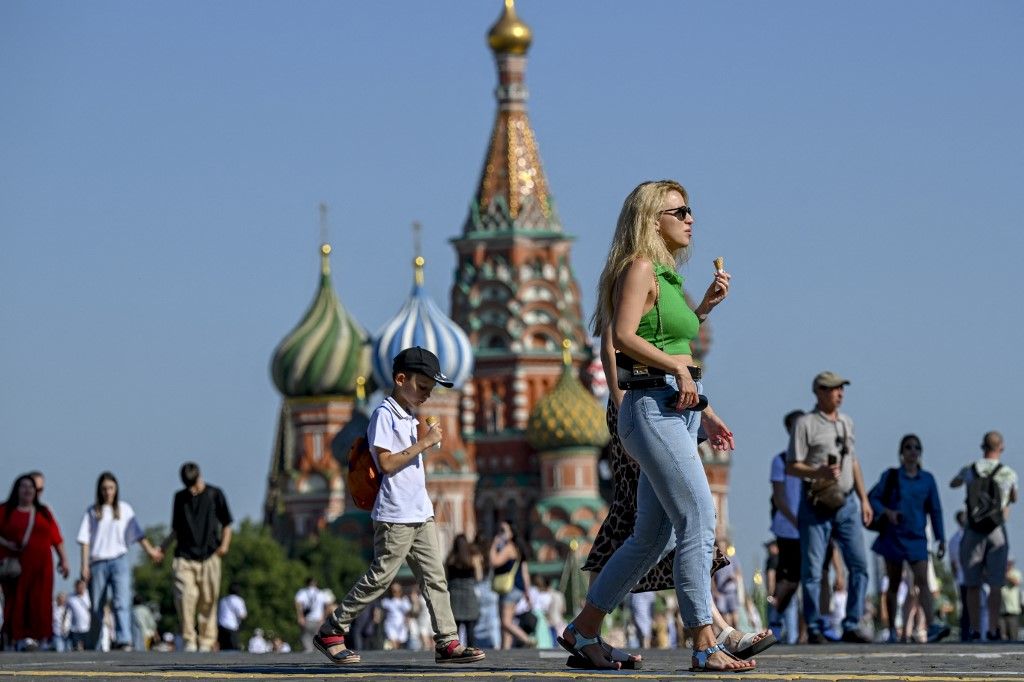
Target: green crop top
x=679, y=324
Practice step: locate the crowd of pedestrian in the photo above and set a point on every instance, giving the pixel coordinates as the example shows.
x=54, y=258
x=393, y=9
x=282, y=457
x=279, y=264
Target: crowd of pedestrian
x=821, y=506
x=481, y=593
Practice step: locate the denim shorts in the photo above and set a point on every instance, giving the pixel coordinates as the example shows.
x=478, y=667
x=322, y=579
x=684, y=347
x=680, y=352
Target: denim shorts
x=511, y=597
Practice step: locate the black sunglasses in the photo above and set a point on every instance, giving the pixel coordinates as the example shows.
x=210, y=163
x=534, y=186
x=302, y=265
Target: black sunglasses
x=680, y=213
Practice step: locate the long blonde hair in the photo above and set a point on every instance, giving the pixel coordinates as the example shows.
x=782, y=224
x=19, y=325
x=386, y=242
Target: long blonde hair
x=636, y=236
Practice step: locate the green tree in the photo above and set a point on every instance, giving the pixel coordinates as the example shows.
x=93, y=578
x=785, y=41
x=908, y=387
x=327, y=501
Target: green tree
x=267, y=579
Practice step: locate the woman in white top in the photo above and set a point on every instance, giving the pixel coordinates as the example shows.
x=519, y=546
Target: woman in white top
x=109, y=528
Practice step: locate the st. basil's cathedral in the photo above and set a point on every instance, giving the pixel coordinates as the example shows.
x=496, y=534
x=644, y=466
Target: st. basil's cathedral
x=524, y=423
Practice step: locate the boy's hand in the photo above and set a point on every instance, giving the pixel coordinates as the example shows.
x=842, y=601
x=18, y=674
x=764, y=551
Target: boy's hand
x=433, y=436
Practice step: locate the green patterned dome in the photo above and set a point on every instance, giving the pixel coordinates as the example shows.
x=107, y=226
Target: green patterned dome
x=328, y=350
x=568, y=416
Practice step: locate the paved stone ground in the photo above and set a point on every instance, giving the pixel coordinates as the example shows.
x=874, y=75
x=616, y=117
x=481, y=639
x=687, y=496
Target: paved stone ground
x=914, y=663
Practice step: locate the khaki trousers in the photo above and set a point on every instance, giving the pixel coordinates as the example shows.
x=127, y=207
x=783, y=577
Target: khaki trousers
x=196, y=587
x=393, y=543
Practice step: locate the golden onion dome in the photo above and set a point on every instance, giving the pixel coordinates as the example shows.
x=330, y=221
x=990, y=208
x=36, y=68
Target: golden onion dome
x=569, y=416
x=510, y=34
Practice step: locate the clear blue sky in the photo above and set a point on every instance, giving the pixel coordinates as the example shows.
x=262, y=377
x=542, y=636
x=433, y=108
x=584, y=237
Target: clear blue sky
x=858, y=164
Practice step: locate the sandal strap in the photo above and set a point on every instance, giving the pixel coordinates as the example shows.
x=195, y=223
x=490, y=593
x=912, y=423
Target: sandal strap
x=580, y=641
x=723, y=636
x=331, y=640
x=611, y=651
x=702, y=655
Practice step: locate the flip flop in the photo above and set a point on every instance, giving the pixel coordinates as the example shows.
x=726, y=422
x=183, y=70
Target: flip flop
x=747, y=647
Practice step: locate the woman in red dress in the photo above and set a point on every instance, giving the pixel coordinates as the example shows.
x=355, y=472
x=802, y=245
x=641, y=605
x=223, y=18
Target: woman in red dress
x=28, y=599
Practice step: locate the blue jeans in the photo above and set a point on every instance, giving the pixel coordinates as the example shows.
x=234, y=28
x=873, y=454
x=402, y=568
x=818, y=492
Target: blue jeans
x=113, y=577
x=674, y=507
x=846, y=528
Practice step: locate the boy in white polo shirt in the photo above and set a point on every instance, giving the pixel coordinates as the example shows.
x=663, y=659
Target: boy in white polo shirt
x=403, y=516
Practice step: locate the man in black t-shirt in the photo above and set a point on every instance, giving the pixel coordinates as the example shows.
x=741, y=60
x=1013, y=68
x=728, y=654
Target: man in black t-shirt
x=201, y=525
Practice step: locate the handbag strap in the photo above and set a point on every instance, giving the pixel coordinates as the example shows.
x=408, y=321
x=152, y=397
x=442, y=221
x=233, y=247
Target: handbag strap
x=657, y=311
x=28, y=529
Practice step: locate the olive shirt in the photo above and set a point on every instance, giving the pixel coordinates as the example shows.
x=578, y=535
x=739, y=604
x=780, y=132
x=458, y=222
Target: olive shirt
x=815, y=437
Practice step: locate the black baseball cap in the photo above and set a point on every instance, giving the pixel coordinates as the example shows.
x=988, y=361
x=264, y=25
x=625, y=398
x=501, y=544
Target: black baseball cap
x=420, y=360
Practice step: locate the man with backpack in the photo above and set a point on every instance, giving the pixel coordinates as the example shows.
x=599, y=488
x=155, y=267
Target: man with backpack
x=991, y=488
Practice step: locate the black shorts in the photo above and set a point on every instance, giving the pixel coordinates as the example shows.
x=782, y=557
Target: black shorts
x=789, y=560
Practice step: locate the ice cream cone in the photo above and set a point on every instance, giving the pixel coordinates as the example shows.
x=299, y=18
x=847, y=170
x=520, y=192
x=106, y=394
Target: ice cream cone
x=433, y=421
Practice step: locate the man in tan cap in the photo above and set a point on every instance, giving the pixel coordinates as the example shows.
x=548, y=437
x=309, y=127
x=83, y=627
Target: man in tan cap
x=821, y=452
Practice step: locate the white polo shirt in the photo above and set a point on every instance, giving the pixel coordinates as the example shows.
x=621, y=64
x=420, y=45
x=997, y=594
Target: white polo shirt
x=403, y=494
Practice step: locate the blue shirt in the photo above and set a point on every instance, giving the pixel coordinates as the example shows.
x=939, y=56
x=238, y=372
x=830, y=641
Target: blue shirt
x=918, y=501
x=781, y=526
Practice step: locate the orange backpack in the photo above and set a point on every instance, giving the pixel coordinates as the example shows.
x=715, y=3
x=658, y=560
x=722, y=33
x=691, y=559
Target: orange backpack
x=363, y=475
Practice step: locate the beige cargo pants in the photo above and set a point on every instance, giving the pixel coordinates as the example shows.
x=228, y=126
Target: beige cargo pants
x=394, y=543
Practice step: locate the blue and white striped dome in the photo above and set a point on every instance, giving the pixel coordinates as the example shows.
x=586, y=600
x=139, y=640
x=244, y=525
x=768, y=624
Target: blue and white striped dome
x=421, y=322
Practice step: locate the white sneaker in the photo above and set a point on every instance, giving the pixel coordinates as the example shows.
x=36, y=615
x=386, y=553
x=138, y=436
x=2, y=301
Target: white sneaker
x=191, y=647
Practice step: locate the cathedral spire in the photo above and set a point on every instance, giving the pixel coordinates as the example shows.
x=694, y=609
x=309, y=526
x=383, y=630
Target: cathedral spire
x=513, y=194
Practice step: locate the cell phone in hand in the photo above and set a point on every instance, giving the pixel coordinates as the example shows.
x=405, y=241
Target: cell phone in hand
x=833, y=460
x=702, y=402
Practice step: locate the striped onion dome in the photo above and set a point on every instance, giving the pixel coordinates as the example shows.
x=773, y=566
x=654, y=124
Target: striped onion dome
x=328, y=350
x=421, y=322
x=568, y=416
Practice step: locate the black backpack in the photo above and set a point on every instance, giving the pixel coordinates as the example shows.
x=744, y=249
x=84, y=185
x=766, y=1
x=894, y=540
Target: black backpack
x=984, y=502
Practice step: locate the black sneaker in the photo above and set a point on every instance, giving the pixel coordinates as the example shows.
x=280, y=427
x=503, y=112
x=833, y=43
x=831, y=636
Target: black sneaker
x=814, y=637
x=855, y=637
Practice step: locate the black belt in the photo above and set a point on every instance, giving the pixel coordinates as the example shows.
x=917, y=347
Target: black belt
x=632, y=374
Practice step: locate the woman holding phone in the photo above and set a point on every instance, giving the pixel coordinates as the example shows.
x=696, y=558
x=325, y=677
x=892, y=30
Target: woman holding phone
x=641, y=298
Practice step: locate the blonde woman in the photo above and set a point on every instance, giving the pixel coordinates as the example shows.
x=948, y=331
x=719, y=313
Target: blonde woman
x=640, y=296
